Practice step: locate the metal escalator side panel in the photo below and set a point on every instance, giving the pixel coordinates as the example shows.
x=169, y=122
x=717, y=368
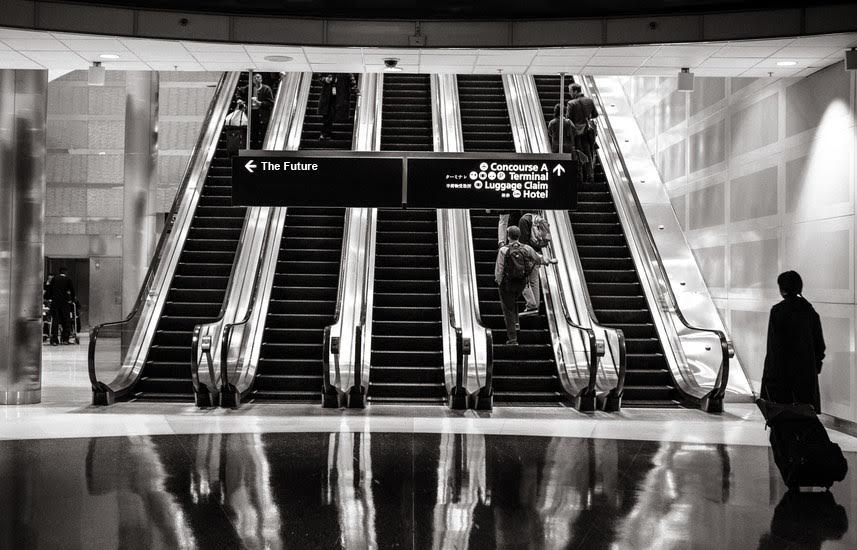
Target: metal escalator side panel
x=459, y=289
x=569, y=348
x=156, y=294
x=243, y=286
x=244, y=354
x=656, y=241
x=356, y=274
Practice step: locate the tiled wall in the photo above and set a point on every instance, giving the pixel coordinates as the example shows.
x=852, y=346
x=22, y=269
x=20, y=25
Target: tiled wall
x=85, y=167
x=761, y=174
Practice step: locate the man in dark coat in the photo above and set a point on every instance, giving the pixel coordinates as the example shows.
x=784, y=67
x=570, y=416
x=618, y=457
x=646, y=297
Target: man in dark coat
x=61, y=293
x=581, y=110
x=334, y=102
x=795, y=347
x=261, y=105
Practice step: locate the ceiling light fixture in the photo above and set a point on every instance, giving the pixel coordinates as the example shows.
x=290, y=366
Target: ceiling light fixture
x=786, y=63
x=685, y=80
x=108, y=56
x=95, y=75
x=278, y=58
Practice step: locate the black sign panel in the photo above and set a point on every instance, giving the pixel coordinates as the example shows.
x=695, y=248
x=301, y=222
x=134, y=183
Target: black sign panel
x=502, y=181
x=298, y=179
x=538, y=182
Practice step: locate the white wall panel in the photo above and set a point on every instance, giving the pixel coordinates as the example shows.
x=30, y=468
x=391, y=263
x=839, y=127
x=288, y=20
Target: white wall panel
x=789, y=155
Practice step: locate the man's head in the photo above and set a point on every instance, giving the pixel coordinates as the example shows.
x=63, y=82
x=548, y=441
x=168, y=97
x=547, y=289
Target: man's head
x=257, y=78
x=575, y=89
x=513, y=233
x=556, y=109
x=63, y=271
x=790, y=283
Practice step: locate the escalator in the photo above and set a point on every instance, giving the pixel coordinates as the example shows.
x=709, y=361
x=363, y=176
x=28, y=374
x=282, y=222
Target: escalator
x=303, y=294
x=613, y=282
x=527, y=373
x=199, y=285
x=407, y=342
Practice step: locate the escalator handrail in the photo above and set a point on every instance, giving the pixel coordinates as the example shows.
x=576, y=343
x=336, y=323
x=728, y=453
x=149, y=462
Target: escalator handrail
x=340, y=298
x=229, y=328
x=721, y=382
x=201, y=143
x=460, y=375
x=477, y=311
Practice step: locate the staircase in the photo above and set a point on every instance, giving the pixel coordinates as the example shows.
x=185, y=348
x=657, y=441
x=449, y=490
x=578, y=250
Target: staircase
x=199, y=285
x=527, y=373
x=612, y=281
x=303, y=294
x=407, y=339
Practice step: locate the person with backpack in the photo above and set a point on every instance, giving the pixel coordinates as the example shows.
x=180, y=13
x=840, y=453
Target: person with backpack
x=236, y=129
x=535, y=231
x=515, y=262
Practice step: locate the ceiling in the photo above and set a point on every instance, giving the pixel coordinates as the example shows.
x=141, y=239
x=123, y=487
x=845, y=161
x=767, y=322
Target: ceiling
x=457, y=9
x=63, y=52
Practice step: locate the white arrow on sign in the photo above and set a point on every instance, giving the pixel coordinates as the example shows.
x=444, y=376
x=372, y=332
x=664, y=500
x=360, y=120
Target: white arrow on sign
x=250, y=166
x=558, y=169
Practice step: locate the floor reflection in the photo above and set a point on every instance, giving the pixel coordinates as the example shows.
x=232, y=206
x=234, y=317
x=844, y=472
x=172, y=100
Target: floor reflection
x=387, y=490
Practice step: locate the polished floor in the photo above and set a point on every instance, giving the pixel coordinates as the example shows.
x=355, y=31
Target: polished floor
x=382, y=490
x=170, y=476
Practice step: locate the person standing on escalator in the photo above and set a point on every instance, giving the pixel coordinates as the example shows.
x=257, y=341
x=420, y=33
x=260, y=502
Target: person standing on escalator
x=582, y=111
x=334, y=102
x=515, y=262
x=261, y=105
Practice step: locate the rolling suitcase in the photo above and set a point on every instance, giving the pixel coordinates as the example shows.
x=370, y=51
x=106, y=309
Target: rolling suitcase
x=805, y=455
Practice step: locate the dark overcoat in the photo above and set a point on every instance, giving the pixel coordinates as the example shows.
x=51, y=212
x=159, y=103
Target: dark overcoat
x=795, y=353
x=343, y=83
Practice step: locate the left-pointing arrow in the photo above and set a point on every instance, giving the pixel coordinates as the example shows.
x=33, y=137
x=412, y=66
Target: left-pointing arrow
x=250, y=166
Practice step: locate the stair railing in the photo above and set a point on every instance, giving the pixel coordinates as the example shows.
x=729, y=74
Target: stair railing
x=662, y=299
x=130, y=338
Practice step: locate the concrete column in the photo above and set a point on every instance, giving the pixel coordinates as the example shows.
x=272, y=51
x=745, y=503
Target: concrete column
x=139, y=225
x=23, y=114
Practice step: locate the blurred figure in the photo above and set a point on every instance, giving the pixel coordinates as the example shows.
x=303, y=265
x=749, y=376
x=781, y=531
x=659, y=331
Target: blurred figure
x=61, y=296
x=236, y=129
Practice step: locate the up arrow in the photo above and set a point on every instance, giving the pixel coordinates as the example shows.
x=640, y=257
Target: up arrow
x=558, y=169
x=250, y=166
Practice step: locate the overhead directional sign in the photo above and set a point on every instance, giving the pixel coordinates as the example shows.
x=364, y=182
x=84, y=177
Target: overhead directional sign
x=502, y=181
x=284, y=179
x=521, y=183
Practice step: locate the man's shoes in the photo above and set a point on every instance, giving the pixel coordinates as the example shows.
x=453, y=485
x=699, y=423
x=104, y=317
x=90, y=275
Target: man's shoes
x=528, y=312
x=512, y=343
x=66, y=343
x=54, y=343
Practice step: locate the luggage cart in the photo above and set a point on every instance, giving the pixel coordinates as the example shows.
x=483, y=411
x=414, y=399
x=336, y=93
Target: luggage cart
x=74, y=323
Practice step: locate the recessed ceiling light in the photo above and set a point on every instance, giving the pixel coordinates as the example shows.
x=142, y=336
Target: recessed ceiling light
x=786, y=63
x=278, y=58
x=108, y=56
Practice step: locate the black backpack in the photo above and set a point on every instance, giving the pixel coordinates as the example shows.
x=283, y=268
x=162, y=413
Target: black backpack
x=517, y=267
